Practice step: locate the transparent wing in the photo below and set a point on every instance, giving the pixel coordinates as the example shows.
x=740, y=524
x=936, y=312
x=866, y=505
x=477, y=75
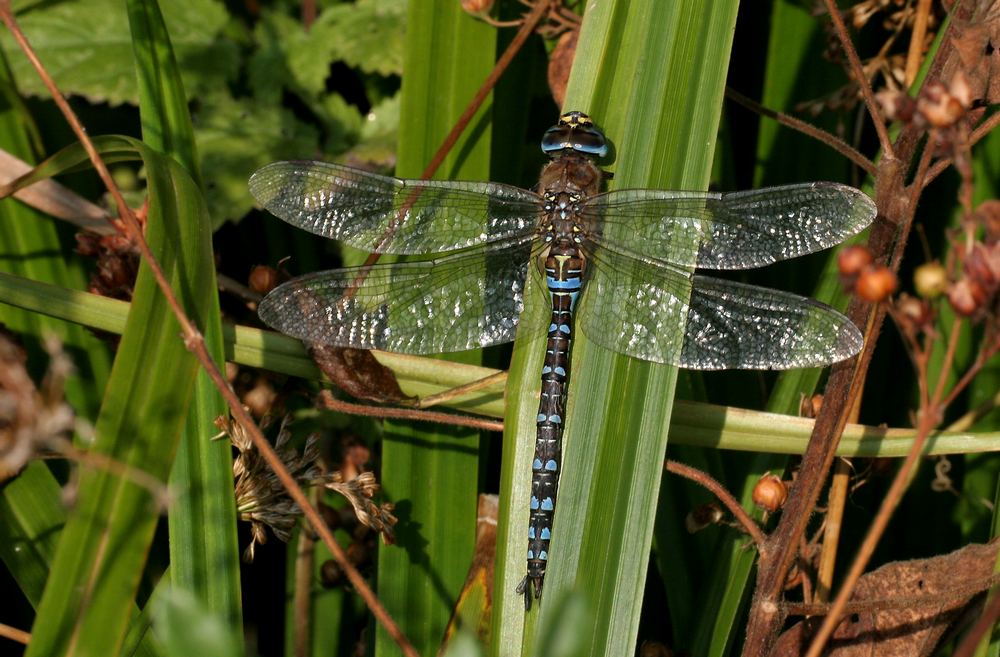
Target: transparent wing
x=739, y=230
x=388, y=215
x=462, y=301
x=668, y=315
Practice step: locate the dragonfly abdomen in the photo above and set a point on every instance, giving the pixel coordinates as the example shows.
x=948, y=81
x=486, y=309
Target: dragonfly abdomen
x=563, y=275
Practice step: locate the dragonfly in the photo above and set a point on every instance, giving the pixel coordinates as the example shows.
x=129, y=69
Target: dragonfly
x=621, y=263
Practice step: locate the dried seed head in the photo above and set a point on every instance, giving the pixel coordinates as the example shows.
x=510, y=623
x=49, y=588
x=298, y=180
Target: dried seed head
x=896, y=105
x=965, y=297
x=938, y=106
x=988, y=214
x=875, y=283
x=930, y=280
x=915, y=312
x=769, y=493
x=261, y=499
x=359, y=492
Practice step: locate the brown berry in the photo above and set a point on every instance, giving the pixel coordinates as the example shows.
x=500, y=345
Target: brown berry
x=930, y=280
x=852, y=260
x=875, y=283
x=769, y=493
x=330, y=574
x=477, y=7
x=263, y=279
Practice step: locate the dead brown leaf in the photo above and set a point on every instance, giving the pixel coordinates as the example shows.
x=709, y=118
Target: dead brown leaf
x=903, y=608
x=357, y=373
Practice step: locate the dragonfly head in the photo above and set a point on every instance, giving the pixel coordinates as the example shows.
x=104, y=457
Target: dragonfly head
x=575, y=131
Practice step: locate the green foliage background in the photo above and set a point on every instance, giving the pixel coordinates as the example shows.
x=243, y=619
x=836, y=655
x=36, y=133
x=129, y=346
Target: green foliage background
x=213, y=90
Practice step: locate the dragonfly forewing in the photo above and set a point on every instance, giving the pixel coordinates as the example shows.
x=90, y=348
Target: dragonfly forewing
x=462, y=301
x=738, y=230
x=380, y=214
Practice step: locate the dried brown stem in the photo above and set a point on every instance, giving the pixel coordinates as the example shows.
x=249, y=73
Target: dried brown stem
x=14, y=634
x=858, y=70
x=717, y=489
x=330, y=402
x=195, y=343
x=459, y=391
x=917, y=36
x=836, y=502
x=305, y=559
x=807, y=129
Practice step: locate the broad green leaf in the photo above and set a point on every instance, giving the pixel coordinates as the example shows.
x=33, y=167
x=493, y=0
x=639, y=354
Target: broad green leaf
x=85, y=46
x=659, y=101
x=237, y=136
x=368, y=34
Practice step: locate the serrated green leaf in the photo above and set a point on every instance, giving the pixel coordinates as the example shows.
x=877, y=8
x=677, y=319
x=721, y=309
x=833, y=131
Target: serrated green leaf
x=368, y=34
x=236, y=137
x=86, y=47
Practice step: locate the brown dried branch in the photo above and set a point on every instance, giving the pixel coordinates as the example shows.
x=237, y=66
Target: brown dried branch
x=723, y=495
x=328, y=401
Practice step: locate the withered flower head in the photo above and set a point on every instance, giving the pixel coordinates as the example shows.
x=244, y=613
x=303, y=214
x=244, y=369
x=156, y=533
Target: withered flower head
x=359, y=492
x=32, y=420
x=261, y=500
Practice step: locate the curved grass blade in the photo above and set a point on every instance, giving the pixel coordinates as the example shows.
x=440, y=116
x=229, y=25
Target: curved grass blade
x=87, y=602
x=204, y=551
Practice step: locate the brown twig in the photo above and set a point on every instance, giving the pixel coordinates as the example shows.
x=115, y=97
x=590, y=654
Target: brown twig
x=14, y=634
x=531, y=21
x=916, y=48
x=330, y=402
x=836, y=502
x=807, y=129
x=195, y=343
x=858, y=71
x=723, y=495
x=305, y=559
x=459, y=391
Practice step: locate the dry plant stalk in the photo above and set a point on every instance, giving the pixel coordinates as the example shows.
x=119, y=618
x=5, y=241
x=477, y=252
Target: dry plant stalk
x=946, y=116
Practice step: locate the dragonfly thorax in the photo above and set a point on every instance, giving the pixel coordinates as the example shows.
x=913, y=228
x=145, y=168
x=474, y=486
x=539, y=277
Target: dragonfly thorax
x=562, y=218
